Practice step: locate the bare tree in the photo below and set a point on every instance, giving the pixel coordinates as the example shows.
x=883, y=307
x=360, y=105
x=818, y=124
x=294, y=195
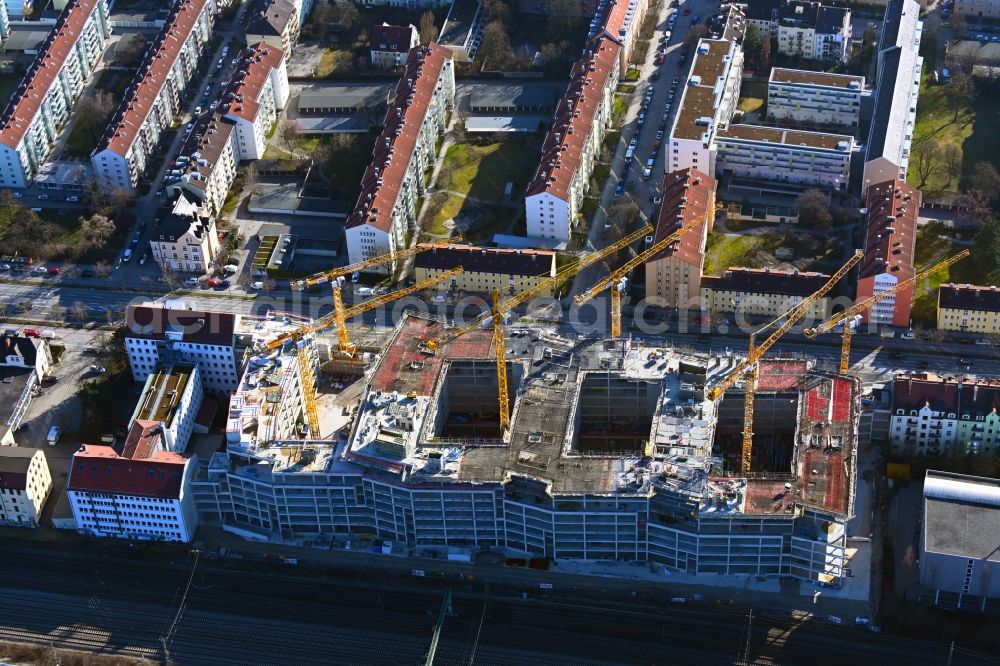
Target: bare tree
x=129, y=53
x=496, y=44
x=97, y=229
x=927, y=160
x=78, y=311
x=101, y=269
x=70, y=270
x=170, y=277
x=959, y=93
x=323, y=14
x=289, y=133
x=24, y=305
x=428, y=27
x=3, y=309
x=693, y=34
x=94, y=111
x=250, y=177
x=57, y=312
x=951, y=159
x=814, y=209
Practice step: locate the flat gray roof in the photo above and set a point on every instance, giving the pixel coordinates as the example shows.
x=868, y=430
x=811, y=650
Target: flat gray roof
x=503, y=123
x=360, y=96
x=331, y=124
x=509, y=95
x=962, y=529
x=458, y=23
x=24, y=39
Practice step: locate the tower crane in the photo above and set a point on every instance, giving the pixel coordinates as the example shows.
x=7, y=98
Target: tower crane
x=749, y=368
x=499, y=350
x=339, y=318
x=616, y=279
x=550, y=283
x=851, y=316
x=389, y=257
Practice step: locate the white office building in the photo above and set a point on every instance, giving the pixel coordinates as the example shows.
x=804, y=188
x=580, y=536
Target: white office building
x=810, y=159
x=816, y=98
x=42, y=102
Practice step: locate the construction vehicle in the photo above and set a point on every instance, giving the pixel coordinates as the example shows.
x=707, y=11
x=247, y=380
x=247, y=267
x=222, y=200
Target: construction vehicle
x=617, y=280
x=748, y=369
x=549, y=284
x=334, y=273
x=339, y=318
x=851, y=317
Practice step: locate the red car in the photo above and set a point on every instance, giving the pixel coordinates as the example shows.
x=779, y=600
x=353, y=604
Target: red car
x=31, y=333
x=54, y=271
x=212, y=282
x=686, y=12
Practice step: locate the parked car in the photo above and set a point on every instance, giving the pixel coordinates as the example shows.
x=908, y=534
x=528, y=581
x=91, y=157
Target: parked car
x=619, y=189
x=87, y=273
x=54, y=271
x=99, y=369
x=31, y=333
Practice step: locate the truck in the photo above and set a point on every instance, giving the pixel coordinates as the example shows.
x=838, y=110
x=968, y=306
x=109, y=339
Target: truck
x=53, y=435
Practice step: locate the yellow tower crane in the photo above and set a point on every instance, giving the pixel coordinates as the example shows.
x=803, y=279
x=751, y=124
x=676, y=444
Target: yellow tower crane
x=501, y=308
x=614, y=279
x=339, y=318
x=334, y=273
x=849, y=316
x=749, y=367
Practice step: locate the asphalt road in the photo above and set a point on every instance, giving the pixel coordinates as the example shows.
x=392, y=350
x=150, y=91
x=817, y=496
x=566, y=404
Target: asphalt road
x=140, y=602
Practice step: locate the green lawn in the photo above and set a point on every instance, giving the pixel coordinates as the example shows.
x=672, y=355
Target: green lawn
x=933, y=245
x=753, y=95
x=483, y=171
x=441, y=207
x=973, y=132
x=812, y=253
x=335, y=61
x=723, y=251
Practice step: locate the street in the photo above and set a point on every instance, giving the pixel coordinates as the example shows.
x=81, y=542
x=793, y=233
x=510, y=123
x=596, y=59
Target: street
x=195, y=610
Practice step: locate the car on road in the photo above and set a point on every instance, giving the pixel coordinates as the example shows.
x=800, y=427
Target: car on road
x=222, y=284
x=660, y=58
x=87, y=273
x=642, y=119
x=4, y=267
x=41, y=269
x=43, y=197
x=31, y=333
x=54, y=271
x=659, y=135
x=17, y=195
x=619, y=189
x=655, y=199
x=144, y=257
x=127, y=254
x=212, y=282
x=99, y=369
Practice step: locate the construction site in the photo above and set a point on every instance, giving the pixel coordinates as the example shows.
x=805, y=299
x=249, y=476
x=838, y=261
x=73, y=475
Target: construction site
x=612, y=451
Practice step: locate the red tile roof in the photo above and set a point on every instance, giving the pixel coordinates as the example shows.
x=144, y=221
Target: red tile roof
x=43, y=71
x=383, y=180
x=143, y=439
x=240, y=99
x=688, y=197
x=891, y=238
x=574, y=118
x=153, y=322
x=151, y=77
x=394, y=38
x=613, y=22
x=99, y=469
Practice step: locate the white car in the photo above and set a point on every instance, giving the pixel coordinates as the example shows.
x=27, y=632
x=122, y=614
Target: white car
x=257, y=285
x=41, y=269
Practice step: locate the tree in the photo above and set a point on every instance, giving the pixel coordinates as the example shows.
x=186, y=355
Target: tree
x=129, y=52
x=753, y=44
x=94, y=111
x=987, y=244
x=70, y=270
x=79, y=312
x=765, y=56
x=927, y=160
x=951, y=161
x=323, y=14
x=985, y=178
x=289, y=133
x=693, y=34
x=498, y=10
x=623, y=212
x=428, y=27
x=959, y=92
x=814, y=209
x=496, y=45
x=560, y=23
x=97, y=229
x=170, y=277
x=101, y=269
x=344, y=13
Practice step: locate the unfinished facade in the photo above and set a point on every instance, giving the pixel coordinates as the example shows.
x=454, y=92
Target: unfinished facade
x=613, y=453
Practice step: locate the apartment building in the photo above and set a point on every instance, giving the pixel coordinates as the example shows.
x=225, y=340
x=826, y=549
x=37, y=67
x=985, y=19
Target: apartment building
x=977, y=9
x=554, y=197
x=390, y=44
x=707, y=102
x=809, y=159
x=20, y=351
x=897, y=89
x=153, y=98
x=25, y=484
x=165, y=333
x=961, y=515
x=968, y=308
x=40, y=106
x=890, y=243
x=4, y=20
x=673, y=276
x=253, y=97
x=485, y=269
x=816, y=98
x=763, y=292
x=138, y=490
x=277, y=24
x=237, y=129
x=386, y=208
x=186, y=240
x=169, y=404
x=24, y=362
x=813, y=31
x=935, y=415
x=620, y=20
x=463, y=29
x=764, y=15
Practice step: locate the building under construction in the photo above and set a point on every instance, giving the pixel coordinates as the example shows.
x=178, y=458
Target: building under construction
x=613, y=452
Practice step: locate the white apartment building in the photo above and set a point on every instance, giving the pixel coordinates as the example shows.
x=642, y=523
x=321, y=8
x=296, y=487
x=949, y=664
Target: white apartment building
x=205, y=168
x=186, y=241
x=277, y=24
x=814, y=32
x=25, y=484
x=143, y=492
x=790, y=156
x=19, y=351
x=255, y=94
x=707, y=102
x=386, y=208
x=554, y=198
x=897, y=89
x=390, y=44
x=937, y=415
x=171, y=399
x=152, y=100
x=43, y=100
x=164, y=333
x=815, y=97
